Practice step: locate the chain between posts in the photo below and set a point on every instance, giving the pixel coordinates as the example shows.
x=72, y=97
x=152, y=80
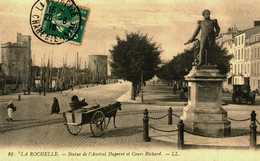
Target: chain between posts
x=174, y=130
x=240, y=120
x=178, y=116
x=158, y=118
x=181, y=129
x=257, y=122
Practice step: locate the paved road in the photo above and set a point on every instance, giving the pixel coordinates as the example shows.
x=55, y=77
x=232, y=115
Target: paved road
x=35, y=126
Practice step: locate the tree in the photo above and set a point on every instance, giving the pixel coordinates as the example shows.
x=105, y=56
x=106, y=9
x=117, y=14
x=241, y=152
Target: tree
x=164, y=72
x=134, y=56
x=181, y=64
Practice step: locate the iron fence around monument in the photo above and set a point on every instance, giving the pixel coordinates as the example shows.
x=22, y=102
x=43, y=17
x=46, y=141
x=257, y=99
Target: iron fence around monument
x=180, y=128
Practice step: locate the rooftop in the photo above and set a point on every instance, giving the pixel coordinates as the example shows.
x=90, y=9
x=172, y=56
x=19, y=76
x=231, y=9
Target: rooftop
x=251, y=31
x=13, y=45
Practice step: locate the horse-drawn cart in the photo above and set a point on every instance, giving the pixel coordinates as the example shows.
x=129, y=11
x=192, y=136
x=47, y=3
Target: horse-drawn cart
x=95, y=116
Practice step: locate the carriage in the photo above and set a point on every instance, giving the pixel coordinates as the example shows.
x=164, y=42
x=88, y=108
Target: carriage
x=95, y=116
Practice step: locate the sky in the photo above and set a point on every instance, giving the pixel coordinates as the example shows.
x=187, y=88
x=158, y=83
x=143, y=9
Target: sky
x=170, y=23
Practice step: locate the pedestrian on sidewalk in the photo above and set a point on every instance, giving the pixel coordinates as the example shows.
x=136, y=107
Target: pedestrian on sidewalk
x=10, y=110
x=40, y=90
x=174, y=88
x=55, y=108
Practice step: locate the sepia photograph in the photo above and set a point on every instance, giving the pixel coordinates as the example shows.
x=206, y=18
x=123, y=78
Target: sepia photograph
x=130, y=80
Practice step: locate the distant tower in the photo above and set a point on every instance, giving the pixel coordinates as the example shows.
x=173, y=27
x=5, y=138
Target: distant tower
x=16, y=60
x=97, y=66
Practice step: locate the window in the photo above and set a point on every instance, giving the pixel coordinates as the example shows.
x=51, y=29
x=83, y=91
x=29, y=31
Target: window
x=248, y=68
x=258, y=67
x=242, y=53
x=238, y=54
x=246, y=53
x=258, y=54
x=254, y=53
x=252, y=69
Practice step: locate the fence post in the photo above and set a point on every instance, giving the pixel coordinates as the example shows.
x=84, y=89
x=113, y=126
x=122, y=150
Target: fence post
x=146, y=126
x=170, y=116
x=253, y=128
x=19, y=97
x=180, y=142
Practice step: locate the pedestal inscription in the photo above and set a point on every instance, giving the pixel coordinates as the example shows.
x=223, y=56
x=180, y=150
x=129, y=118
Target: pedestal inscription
x=208, y=93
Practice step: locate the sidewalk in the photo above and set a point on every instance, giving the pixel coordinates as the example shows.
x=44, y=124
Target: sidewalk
x=158, y=98
x=158, y=94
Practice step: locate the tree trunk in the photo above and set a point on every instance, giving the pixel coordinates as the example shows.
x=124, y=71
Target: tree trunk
x=133, y=91
x=137, y=91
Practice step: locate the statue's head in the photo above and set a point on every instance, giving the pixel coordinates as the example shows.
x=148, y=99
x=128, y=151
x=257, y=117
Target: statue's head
x=206, y=14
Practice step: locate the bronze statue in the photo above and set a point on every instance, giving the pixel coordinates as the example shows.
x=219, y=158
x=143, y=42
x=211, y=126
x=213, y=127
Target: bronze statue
x=209, y=30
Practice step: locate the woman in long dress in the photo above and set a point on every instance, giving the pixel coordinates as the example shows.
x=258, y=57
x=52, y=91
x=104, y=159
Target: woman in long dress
x=10, y=110
x=55, y=108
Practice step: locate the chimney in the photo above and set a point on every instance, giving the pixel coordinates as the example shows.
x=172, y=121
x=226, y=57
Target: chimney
x=256, y=23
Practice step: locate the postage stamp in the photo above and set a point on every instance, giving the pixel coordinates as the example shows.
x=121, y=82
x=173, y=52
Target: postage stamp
x=58, y=21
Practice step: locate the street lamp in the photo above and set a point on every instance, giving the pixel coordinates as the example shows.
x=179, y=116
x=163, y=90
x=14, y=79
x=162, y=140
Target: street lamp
x=142, y=82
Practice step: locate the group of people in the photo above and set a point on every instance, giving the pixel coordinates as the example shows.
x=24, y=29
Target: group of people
x=75, y=104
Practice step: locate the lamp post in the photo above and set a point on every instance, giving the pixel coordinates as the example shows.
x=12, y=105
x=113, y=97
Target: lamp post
x=142, y=82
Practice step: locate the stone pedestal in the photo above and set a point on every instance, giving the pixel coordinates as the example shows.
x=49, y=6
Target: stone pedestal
x=204, y=113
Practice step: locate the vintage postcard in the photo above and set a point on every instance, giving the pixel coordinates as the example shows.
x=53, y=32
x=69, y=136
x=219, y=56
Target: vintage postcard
x=129, y=80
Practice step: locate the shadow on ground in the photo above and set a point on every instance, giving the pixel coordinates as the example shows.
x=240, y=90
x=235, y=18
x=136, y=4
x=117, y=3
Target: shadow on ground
x=120, y=132
x=191, y=146
x=32, y=123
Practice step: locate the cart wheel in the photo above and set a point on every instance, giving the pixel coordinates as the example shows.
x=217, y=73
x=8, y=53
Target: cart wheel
x=98, y=124
x=74, y=129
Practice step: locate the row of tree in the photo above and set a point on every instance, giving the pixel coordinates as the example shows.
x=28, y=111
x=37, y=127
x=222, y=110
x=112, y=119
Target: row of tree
x=181, y=64
x=136, y=58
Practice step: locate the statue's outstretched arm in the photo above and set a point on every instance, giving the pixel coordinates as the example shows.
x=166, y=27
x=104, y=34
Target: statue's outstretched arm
x=195, y=34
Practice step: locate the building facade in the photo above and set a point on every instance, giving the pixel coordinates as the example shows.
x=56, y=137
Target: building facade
x=16, y=60
x=98, y=68
x=226, y=40
x=245, y=64
x=252, y=57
